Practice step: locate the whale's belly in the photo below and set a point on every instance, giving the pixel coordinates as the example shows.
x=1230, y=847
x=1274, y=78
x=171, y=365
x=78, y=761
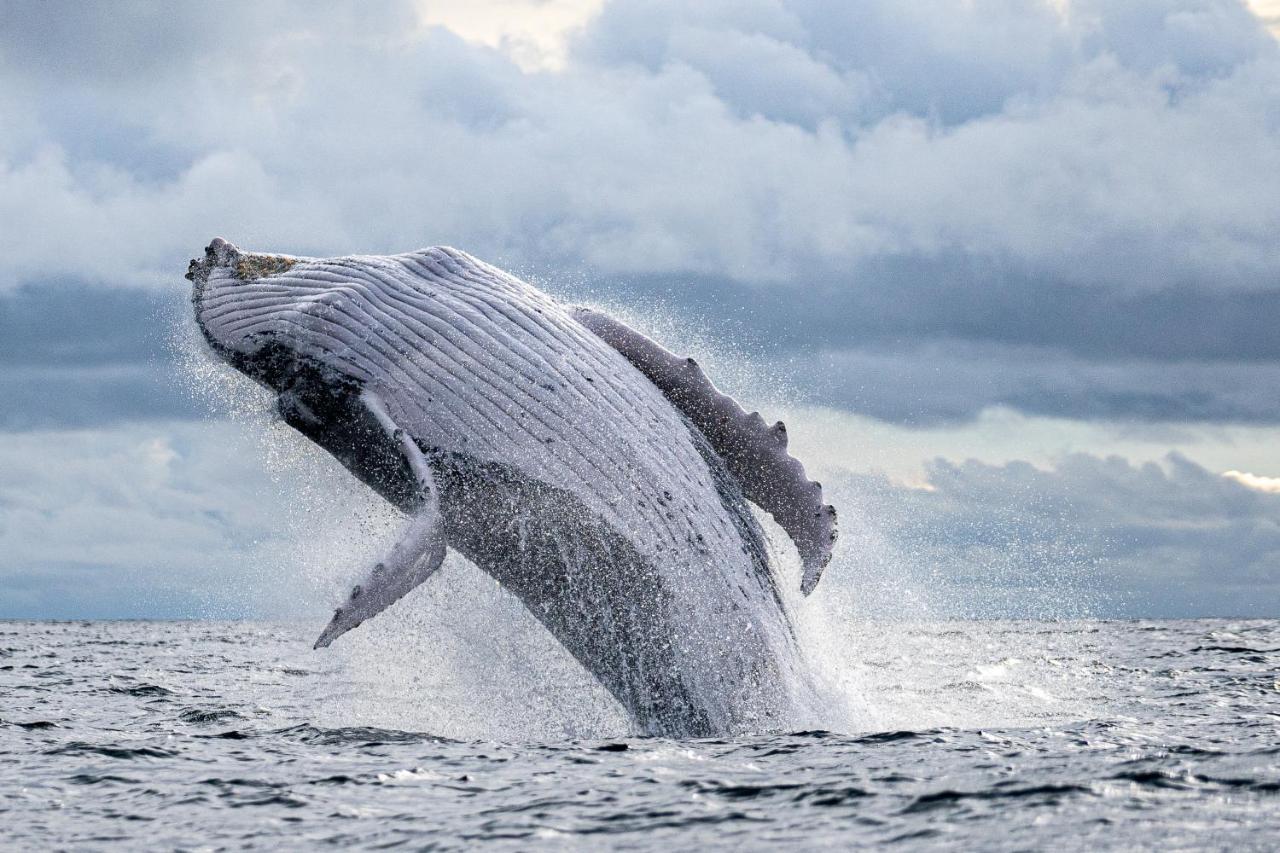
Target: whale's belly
x=608, y=604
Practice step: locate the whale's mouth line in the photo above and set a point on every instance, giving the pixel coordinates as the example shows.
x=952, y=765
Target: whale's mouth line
x=304, y=387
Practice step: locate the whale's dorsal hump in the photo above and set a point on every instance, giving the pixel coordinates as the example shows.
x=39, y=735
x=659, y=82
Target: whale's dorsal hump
x=755, y=453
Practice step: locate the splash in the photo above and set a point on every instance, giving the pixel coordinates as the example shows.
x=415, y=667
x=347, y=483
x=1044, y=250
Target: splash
x=462, y=658
x=911, y=626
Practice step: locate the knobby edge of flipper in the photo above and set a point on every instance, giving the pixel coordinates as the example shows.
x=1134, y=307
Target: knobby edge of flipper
x=755, y=453
x=412, y=559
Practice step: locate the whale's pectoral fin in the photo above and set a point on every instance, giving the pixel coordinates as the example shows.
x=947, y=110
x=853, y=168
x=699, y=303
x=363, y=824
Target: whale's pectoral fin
x=756, y=454
x=415, y=556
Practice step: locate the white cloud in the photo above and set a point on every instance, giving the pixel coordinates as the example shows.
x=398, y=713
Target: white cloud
x=1124, y=146
x=534, y=34
x=174, y=519
x=834, y=443
x=1269, y=12
x=1254, y=481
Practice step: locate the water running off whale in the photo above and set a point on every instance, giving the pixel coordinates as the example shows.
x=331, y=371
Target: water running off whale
x=598, y=477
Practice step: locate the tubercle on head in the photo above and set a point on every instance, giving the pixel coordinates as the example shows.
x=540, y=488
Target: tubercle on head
x=252, y=267
x=218, y=253
x=247, y=266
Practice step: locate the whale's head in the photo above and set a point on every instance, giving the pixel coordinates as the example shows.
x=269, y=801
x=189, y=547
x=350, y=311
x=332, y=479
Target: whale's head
x=277, y=326
x=287, y=322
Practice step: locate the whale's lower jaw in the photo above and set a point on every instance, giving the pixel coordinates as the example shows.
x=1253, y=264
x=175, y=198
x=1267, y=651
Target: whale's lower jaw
x=677, y=667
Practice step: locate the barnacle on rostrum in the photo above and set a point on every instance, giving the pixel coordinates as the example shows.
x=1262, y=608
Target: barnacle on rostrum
x=253, y=266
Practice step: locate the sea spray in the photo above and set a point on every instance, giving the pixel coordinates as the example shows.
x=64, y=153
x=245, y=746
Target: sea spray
x=462, y=657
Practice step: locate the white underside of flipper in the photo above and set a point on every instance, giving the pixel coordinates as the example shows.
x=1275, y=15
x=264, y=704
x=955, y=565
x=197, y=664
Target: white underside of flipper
x=416, y=555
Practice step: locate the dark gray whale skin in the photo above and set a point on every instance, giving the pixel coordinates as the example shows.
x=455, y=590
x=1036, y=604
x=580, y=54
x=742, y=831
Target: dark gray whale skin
x=612, y=620
x=687, y=631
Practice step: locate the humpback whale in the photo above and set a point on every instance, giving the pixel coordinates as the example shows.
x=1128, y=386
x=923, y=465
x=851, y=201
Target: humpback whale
x=600, y=478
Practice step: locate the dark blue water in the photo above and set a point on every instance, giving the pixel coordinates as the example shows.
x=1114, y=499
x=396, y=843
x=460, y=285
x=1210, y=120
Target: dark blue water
x=204, y=735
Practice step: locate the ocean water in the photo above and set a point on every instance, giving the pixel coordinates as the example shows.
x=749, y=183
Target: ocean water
x=993, y=735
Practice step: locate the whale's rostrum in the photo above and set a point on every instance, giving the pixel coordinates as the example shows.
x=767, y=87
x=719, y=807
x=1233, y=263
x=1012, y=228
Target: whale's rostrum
x=598, y=477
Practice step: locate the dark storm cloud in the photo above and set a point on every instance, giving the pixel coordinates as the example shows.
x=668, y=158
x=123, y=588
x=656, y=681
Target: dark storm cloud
x=76, y=356
x=91, y=397
x=67, y=324
x=1092, y=535
x=1079, y=205
x=953, y=381
x=933, y=355
x=899, y=300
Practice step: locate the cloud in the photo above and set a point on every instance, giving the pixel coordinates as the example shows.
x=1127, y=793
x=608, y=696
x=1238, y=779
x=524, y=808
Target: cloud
x=80, y=357
x=1269, y=12
x=953, y=381
x=179, y=520
x=1096, y=181
x=243, y=518
x=143, y=521
x=534, y=35
x=914, y=212
x=764, y=142
x=1090, y=535
x=1271, y=485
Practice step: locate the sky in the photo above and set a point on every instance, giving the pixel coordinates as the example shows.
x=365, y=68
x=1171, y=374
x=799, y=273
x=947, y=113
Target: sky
x=1007, y=268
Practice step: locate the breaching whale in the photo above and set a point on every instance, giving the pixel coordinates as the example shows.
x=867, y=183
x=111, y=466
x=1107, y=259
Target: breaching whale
x=600, y=478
